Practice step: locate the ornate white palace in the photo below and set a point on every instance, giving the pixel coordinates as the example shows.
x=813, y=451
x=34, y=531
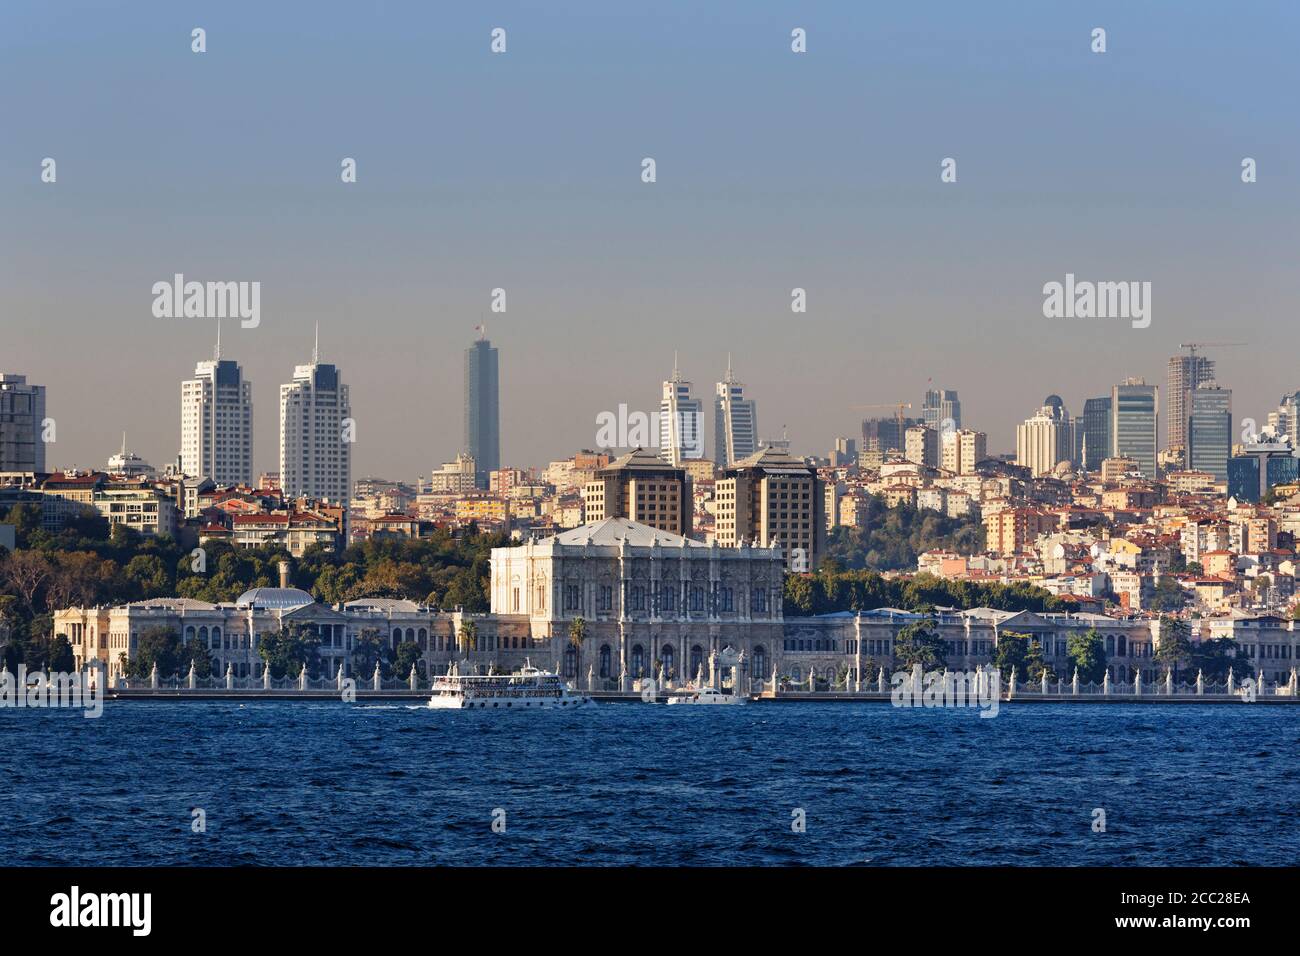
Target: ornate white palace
x=618, y=601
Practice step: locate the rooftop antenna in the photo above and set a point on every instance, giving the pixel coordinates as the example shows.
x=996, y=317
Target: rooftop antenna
x=216, y=352
x=123, y=444
x=729, y=378
x=677, y=376
x=315, y=350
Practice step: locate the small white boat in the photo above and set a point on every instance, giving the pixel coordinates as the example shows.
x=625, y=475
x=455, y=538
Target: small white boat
x=707, y=695
x=526, y=689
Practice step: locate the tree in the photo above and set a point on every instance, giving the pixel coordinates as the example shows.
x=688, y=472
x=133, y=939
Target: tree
x=918, y=644
x=469, y=635
x=1088, y=655
x=25, y=573
x=289, y=650
x=370, y=649
x=1023, y=653
x=155, y=645
x=195, y=653
x=1213, y=657
x=408, y=653
x=1169, y=595
x=577, y=632
x=1175, y=644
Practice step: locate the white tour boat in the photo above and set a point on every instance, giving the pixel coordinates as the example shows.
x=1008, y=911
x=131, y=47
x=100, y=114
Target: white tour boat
x=707, y=695
x=527, y=689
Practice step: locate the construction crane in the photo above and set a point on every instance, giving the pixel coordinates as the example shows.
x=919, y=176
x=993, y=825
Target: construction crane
x=1193, y=346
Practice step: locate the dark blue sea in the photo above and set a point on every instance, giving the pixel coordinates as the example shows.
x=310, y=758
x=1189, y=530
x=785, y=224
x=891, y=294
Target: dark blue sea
x=332, y=783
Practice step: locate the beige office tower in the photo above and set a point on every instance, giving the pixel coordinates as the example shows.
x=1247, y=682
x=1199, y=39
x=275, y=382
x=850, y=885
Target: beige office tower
x=771, y=497
x=1042, y=441
x=639, y=486
x=962, y=449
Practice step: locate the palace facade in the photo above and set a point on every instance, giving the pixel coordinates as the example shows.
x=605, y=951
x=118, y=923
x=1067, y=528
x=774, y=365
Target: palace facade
x=616, y=601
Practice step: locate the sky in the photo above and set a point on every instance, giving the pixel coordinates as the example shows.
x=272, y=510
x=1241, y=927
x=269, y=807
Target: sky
x=522, y=171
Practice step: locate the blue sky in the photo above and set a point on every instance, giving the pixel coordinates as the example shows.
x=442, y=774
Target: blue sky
x=522, y=171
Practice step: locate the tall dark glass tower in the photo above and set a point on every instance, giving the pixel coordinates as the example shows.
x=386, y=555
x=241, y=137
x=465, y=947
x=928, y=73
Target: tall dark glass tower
x=482, y=412
x=1095, y=441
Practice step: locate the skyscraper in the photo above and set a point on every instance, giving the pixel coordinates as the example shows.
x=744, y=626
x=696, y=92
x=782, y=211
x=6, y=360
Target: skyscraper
x=316, y=433
x=1209, y=430
x=1286, y=420
x=1134, y=414
x=217, y=422
x=735, y=421
x=680, y=437
x=482, y=408
x=22, y=411
x=1095, y=442
x=1186, y=373
x=941, y=404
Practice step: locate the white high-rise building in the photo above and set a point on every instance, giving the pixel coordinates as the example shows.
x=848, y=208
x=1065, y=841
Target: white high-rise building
x=735, y=422
x=680, y=416
x=217, y=422
x=316, y=433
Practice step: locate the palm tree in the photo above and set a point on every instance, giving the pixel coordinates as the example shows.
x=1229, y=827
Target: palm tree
x=577, y=634
x=469, y=635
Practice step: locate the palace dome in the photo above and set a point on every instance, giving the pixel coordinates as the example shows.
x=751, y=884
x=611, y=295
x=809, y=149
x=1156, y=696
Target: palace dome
x=274, y=599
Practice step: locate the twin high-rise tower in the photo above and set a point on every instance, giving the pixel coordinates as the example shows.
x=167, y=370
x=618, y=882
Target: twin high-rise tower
x=316, y=432
x=316, y=428
x=681, y=421
x=217, y=422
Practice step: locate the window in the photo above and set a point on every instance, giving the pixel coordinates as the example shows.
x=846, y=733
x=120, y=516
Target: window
x=571, y=602
x=758, y=600
x=604, y=660
x=638, y=598
x=606, y=601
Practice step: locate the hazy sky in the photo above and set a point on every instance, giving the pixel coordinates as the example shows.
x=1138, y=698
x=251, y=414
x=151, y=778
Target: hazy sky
x=522, y=171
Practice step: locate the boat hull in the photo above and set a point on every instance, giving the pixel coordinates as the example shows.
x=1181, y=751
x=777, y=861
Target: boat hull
x=519, y=703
